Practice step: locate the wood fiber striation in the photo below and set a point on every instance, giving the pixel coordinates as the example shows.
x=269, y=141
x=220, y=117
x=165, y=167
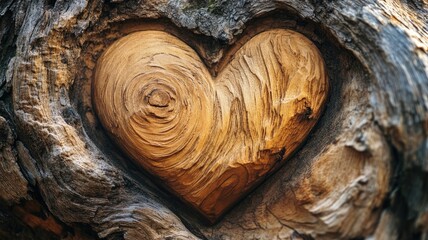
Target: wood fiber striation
x=210, y=139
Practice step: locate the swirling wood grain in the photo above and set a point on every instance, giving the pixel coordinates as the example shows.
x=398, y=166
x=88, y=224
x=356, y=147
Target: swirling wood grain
x=210, y=139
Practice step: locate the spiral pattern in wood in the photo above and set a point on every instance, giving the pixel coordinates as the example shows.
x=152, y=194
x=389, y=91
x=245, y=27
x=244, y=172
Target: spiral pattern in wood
x=210, y=139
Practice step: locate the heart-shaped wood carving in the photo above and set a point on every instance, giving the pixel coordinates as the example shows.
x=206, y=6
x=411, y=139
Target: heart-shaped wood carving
x=210, y=139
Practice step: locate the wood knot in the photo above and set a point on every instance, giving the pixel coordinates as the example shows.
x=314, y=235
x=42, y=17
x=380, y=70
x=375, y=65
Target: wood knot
x=159, y=98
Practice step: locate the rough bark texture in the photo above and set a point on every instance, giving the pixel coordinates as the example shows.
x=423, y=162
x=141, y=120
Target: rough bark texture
x=362, y=173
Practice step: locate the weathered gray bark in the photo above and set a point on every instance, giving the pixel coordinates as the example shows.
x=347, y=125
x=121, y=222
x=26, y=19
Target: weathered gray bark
x=362, y=173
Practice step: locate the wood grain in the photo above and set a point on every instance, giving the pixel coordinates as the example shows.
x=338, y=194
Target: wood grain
x=210, y=139
x=360, y=175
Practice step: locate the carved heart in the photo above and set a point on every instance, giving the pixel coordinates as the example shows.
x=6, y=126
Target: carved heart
x=210, y=139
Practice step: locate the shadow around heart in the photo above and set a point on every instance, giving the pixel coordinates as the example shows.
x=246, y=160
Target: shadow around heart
x=216, y=53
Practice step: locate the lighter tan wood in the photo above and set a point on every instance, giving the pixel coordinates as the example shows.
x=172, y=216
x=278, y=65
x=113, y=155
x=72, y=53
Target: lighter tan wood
x=210, y=140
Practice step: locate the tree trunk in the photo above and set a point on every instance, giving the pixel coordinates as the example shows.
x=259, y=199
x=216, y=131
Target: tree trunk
x=354, y=165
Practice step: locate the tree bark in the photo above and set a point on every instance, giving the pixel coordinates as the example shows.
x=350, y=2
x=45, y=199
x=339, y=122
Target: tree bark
x=361, y=173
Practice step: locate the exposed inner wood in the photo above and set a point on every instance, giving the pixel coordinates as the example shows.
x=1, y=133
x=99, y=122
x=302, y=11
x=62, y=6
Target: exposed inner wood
x=210, y=139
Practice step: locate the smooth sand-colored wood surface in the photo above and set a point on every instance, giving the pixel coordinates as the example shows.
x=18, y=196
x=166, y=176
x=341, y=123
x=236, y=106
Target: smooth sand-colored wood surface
x=210, y=140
